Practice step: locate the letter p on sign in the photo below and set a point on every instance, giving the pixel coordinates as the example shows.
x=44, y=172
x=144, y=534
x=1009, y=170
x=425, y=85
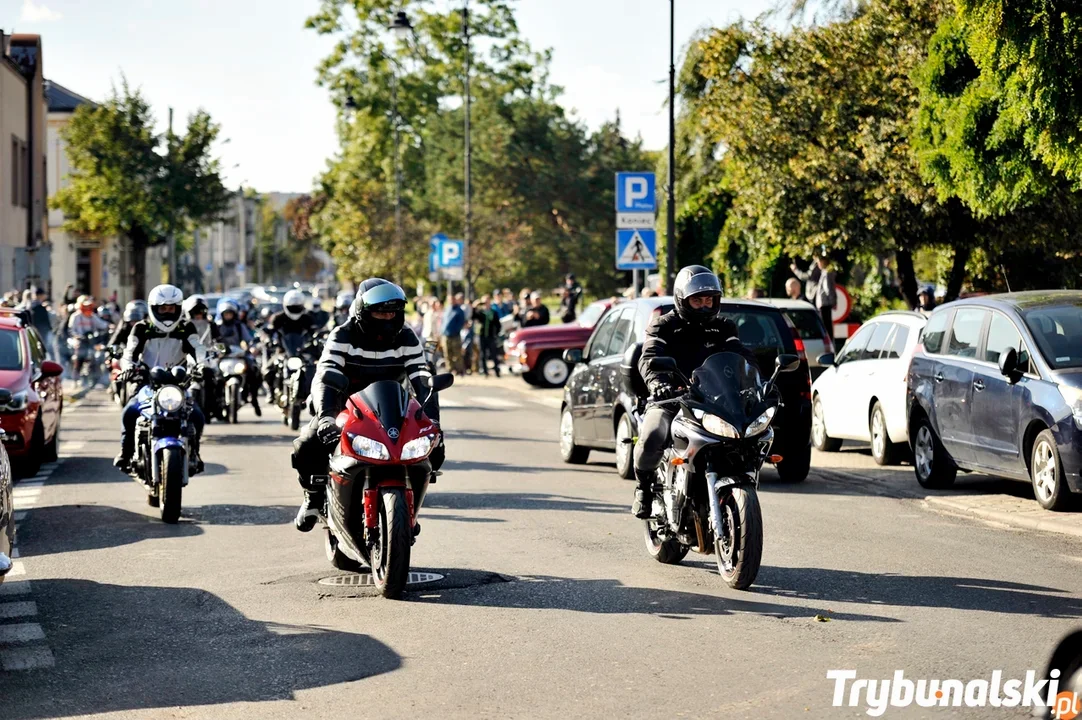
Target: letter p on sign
x=636, y=188
x=450, y=254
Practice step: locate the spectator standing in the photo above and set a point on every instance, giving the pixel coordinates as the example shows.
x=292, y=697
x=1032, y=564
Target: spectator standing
x=454, y=320
x=537, y=313
x=488, y=336
x=926, y=296
x=507, y=306
x=793, y=290
x=469, y=337
x=70, y=294
x=432, y=322
x=42, y=322
x=825, y=292
x=570, y=302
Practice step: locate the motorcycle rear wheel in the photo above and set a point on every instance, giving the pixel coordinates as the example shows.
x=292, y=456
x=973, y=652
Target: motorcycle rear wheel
x=390, y=555
x=669, y=552
x=172, y=475
x=739, y=551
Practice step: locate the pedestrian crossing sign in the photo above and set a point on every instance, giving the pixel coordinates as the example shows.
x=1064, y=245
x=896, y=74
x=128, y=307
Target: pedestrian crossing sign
x=636, y=249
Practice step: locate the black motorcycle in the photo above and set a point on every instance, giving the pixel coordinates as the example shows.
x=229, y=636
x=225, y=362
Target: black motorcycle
x=296, y=370
x=234, y=366
x=705, y=494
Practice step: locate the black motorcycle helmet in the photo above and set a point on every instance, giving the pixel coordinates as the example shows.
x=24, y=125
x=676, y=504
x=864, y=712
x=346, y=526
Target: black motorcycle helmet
x=696, y=280
x=378, y=295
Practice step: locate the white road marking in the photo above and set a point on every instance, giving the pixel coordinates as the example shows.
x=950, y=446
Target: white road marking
x=49, y=467
x=27, y=658
x=39, y=479
x=14, y=587
x=68, y=448
x=450, y=404
x=17, y=568
x=498, y=403
x=20, y=633
x=25, y=608
x=28, y=485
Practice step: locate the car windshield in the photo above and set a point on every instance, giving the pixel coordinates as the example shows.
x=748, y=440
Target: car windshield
x=591, y=314
x=808, y=324
x=11, y=350
x=1058, y=332
x=730, y=384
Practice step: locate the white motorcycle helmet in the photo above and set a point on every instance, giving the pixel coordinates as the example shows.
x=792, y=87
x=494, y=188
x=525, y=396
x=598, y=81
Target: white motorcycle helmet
x=165, y=303
x=294, y=304
x=191, y=303
x=343, y=301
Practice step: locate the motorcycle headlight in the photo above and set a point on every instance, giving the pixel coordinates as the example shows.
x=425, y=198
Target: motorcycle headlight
x=1073, y=396
x=169, y=398
x=418, y=448
x=232, y=367
x=294, y=363
x=716, y=426
x=369, y=448
x=18, y=401
x=761, y=423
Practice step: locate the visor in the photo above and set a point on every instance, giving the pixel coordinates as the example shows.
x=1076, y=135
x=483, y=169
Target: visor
x=383, y=294
x=703, y=284
x=164, y=315
x=295, y=309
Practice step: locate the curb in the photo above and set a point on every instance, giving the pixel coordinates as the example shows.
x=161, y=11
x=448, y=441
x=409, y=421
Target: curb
x=1015, y=520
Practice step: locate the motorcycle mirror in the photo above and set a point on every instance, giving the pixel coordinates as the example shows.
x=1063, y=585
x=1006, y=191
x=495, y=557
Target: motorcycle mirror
x=441, y=382
x=787, y=363
x=664, y=364
x=180, y=373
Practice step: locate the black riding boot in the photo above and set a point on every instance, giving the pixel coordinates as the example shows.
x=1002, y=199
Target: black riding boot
x=311, y=509
x=644, y=499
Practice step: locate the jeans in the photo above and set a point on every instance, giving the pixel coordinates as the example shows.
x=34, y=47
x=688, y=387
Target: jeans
x=452, y=351
x=490, y=351
x=653, y=437
x=827, y=314
x=131, y=416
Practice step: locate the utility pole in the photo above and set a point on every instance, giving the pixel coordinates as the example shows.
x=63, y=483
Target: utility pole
x=242, y=241
x=397, y=254
x=172, y=247
x=259, y=248
x=670, y=211
x=466, y=102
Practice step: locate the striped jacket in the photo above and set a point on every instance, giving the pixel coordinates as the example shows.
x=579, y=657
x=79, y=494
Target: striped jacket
x=362, y=360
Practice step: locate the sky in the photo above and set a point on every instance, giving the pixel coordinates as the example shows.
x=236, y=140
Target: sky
x=251, y=64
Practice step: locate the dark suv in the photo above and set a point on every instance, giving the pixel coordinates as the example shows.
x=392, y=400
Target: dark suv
x=996, y=386
x=603, y=398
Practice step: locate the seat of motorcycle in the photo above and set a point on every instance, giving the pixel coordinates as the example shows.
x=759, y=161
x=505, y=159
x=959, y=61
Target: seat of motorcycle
x=630, y=367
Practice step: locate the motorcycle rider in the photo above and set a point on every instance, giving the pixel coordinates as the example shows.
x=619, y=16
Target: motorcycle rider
x=134, y=312
x=293, y=319
x=232, y=331
x=164, y=339
x=689, y=334
x=81, y=325
x=374, y=345
x=342, y=304
x=195, y=311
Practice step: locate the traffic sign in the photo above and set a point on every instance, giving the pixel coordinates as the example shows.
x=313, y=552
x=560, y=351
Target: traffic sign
x=452, y=254
x=636, y=249
x=635, y=221
x=208, y=267
x=635, y=192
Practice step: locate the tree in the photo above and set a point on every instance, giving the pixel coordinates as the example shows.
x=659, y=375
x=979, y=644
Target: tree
x=127, y=180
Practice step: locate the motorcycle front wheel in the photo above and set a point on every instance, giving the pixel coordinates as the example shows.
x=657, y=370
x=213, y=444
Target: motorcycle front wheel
x=172, y=475
x=390, y=554
x=739, y=550
x=234, y=403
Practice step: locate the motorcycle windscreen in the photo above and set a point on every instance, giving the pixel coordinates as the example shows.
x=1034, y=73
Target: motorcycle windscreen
x=730, y=386
x=388, y=400
x=293, y=342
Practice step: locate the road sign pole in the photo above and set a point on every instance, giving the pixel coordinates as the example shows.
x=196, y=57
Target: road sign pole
x=635, y=283
x=670, y=213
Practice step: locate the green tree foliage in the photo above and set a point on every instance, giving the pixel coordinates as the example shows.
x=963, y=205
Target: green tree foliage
x=125, y=179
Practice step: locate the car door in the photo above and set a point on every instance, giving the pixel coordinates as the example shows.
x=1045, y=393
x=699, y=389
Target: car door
x=836, y=405
x=953, y=383
x=589, y=392
x=48, y=389
x=997, y=402
x=609, y=379
x=863, y=383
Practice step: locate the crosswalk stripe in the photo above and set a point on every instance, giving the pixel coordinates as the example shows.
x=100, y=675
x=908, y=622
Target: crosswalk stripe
x=498, y=403
x=17, y=568
x=450, y=404
x=24, y=608
x=26, y=658
x=9, y=588
x=69, y=447
x=20, y=633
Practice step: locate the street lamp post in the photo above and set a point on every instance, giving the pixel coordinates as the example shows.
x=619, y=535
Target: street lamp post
x=466, y=103
x=670, y=211
x=401, y=28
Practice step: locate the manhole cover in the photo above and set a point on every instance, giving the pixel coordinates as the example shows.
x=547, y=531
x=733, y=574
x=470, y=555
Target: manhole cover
x=362, y=579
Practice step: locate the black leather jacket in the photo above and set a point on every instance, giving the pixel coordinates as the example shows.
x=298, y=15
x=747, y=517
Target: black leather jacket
x=690, y=344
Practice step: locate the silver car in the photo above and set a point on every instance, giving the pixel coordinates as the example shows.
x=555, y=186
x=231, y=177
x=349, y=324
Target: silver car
x=809, y=328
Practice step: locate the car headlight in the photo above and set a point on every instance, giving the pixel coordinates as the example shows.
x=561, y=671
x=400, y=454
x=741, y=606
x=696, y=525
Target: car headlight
x=369, y=448
x=761, y=423
x=1073, y=396
x=169, y=398
x=18, y=401
x=417, y=448
x=294, y=363
x=716, y=426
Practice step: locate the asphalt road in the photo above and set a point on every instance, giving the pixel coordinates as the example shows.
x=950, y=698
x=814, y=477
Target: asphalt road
x=550, y=606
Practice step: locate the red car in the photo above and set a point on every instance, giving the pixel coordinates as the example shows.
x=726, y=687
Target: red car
x=537, y=352
x=31, y=397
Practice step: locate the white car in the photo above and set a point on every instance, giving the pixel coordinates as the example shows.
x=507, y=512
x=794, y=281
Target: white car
x=861, y=396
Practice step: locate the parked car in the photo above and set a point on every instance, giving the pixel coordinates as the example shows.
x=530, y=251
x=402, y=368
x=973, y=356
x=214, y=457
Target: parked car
x=537, y=352
x=996, y=386
x=31, y=398
x=7, y=515
x=602, y=403
x=862, y=393
x=810, y=332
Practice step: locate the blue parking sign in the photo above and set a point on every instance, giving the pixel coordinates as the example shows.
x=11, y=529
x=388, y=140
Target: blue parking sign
x=635, y=192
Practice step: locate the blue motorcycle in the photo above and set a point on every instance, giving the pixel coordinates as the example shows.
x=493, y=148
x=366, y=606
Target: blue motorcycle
x=163, y=437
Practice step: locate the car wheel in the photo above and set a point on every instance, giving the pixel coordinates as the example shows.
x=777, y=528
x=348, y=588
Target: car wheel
x=552, y=370
x=52, y=451
x=531, y=378
x=795, y=465
x=569, y=451
x=625, y=457
x=820, y=439
x=884, y=452
x=932, y=464
x=1046, y=471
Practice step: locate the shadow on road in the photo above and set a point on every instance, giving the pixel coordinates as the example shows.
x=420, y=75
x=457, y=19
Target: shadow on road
x=462, y=434
x=71, y=528
x=262, y=439
x=240, y=514
x=887, y=589
x=134, y=648
x=86, y=470
x=517, y=501
x=607, y=596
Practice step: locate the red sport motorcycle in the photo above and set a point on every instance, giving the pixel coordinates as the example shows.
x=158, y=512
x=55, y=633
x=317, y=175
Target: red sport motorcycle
x=379, y=474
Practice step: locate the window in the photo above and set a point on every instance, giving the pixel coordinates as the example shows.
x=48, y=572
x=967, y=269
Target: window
x=622, y=333
x=897, y=343
x=932, y=335
x=878, y=341
x=11, y=350
x=24, y=174
x=1058, y=332
x=966, y=332
x=591, y=314
x=1002, y=336
x=757, y=330
x=37, y=347
x=599, y=344
x=809, y=325
x=855, y=345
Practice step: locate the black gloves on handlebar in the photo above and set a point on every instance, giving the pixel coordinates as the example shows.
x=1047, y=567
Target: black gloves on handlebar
x=327, y=431
x=661, y=390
